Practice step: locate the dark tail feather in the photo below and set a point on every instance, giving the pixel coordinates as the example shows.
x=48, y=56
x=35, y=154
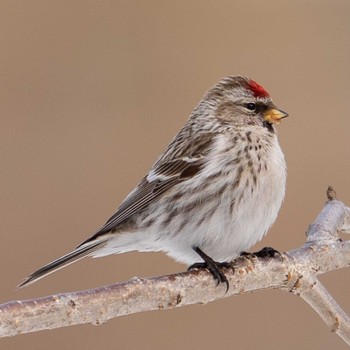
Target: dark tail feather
x=61, y=262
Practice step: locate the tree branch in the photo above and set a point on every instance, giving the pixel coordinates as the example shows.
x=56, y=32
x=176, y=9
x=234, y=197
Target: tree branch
x=317, y=296
x=294, y=271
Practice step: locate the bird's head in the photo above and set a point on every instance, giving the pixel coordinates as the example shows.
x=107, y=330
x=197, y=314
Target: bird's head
x=240, y=101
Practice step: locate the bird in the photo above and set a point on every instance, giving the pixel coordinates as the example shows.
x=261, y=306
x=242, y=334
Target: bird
x=213, y=193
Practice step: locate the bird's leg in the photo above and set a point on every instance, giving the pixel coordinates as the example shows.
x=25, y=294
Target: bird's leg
x=214, y=267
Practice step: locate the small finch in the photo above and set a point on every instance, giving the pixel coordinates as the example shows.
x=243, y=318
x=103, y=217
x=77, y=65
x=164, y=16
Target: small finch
x=211, y=195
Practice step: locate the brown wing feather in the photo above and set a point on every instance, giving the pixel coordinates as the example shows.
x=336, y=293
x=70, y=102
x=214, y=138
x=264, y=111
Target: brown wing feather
x=165, y=175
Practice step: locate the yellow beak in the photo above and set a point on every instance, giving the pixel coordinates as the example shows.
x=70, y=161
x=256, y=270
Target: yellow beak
x=274, y=115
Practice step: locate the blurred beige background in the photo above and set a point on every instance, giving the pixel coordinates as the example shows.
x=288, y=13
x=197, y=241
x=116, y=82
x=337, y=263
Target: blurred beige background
x=90, y=94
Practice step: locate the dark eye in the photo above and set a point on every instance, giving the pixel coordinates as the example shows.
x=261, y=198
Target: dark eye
x=251, y=106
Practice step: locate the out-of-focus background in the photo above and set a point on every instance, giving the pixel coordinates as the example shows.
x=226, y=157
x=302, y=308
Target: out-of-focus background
x=90, y=94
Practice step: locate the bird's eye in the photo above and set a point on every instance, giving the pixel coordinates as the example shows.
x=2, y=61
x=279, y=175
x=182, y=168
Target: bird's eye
x=251, y=106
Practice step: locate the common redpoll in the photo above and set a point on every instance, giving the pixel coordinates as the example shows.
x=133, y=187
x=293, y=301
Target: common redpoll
x=212, y=194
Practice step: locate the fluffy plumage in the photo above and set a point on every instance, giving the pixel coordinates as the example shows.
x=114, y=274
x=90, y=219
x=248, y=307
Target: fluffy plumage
x=217, y=187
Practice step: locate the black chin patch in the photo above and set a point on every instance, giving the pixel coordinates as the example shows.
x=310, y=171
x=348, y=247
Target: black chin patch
x=268, y=126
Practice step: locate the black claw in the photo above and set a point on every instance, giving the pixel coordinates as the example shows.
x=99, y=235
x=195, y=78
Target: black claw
x=199, y=265
x=266, y=252
x=214, y=267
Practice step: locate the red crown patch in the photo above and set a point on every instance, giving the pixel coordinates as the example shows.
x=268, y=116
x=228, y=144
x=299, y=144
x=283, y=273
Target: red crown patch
x=257, y=90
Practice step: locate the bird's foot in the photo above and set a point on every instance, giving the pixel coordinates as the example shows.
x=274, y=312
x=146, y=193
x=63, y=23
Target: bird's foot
x=214, y=267
x=266, y=252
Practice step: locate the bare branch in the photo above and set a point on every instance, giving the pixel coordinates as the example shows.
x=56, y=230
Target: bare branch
x=294, y=271
x=317, y=296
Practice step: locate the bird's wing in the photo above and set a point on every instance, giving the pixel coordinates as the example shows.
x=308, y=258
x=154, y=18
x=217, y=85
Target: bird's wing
x=169, y=170
x=165, y=174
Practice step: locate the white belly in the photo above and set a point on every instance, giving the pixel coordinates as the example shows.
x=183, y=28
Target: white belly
x=222, y=226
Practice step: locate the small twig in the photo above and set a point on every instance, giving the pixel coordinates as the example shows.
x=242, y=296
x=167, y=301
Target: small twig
x=317, y=296
x=331, y=194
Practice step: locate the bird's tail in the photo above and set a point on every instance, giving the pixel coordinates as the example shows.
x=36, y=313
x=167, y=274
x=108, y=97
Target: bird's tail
x=63, y=261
